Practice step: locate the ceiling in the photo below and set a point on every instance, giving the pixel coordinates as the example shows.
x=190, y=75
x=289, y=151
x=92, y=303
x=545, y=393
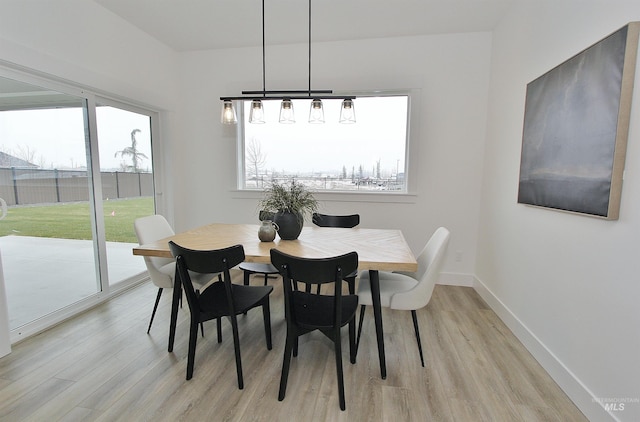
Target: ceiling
x=16, y=95
x=188, y=25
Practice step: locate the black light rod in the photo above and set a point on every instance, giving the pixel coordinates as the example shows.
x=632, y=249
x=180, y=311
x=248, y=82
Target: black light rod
x=292, y=97
x=264, y=78
x=309, y=47
x=315, y=91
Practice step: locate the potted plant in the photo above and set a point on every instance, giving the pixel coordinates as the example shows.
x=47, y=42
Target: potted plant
x=290, y=203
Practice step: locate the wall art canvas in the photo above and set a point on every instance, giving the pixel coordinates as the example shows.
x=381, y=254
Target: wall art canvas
x=575, y=130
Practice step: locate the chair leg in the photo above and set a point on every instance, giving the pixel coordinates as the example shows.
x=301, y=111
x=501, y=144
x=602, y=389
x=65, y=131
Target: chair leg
x=236, y=348
x=266, y=316
x=286, y=362
x=415, y=326
x=353, y=350
x=353, y=346
x=153, y=314
x=247, y=277
x=338, y=349
x=362, y=309
x=351, y=281
x=219, y=325
x=193, y=338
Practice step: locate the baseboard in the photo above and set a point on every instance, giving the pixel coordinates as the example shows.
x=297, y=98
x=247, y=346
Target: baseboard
x=456, y=279
x=567, y=380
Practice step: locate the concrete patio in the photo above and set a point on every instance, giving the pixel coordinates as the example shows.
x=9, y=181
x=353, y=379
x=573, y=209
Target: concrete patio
x=42, y=275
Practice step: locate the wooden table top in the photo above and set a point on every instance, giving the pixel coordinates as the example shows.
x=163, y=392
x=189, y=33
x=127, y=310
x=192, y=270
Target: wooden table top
x=378, y=249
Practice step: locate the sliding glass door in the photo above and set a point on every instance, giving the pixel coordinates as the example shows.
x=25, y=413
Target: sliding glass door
x=74, y=174
x=46, y=238
x=126, y=169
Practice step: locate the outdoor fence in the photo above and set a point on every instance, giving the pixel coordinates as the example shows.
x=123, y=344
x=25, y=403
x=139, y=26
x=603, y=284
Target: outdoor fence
x=20, y=186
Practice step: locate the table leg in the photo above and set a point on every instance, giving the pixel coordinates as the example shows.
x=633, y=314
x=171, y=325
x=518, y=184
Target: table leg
x=177, y=292
x=374, y=280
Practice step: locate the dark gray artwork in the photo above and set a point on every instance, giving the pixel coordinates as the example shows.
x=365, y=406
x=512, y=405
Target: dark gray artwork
x=572, y=128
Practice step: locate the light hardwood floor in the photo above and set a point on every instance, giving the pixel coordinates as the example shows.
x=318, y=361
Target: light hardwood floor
x=102, y=366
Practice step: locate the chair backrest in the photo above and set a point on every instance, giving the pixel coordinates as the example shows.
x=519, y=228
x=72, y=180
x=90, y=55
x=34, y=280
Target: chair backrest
x=209, y=261
x=345, y=221
x=430, y=262
x=205, y=262
x=149, y=229
x=313, y=271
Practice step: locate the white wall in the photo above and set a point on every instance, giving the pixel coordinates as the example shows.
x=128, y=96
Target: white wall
x=568, y=285
x=449, y=75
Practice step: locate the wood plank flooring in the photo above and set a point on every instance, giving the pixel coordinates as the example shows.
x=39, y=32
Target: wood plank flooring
x=102, y=366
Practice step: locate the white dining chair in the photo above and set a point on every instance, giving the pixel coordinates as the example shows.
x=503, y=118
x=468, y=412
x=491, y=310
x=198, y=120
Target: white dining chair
x=161, y=270
x=408, y=291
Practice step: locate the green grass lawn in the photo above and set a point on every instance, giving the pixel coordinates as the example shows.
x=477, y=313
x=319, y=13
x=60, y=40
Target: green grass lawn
x=72, y=220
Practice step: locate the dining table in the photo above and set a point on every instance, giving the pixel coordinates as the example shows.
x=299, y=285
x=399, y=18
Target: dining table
x=378, y=250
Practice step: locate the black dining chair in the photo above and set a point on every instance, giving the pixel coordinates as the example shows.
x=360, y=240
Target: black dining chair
x=250, y=268
x=219, y=299
x=326, y=220
x=343, y=221
x=306, y=311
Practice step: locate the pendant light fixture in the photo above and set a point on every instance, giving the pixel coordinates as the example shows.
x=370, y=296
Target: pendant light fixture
x=256, y=114
x=316, y=111
x=228, y=115
x=286, y=111
x=347, y=112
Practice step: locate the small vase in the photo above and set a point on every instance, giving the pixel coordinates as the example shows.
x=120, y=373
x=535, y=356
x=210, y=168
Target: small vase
x=290, y=225
x=267, y=231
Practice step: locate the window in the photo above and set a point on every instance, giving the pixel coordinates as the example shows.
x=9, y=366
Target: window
x=369, y=155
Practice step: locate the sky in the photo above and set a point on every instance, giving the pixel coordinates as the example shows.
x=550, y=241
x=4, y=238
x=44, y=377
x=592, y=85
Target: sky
x=55, y=137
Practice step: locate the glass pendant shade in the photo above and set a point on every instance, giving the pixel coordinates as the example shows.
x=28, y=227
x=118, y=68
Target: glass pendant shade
x=256, y=115
x=347, y=112
x=316, y=113
x=228, y=115
x=286, y=112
